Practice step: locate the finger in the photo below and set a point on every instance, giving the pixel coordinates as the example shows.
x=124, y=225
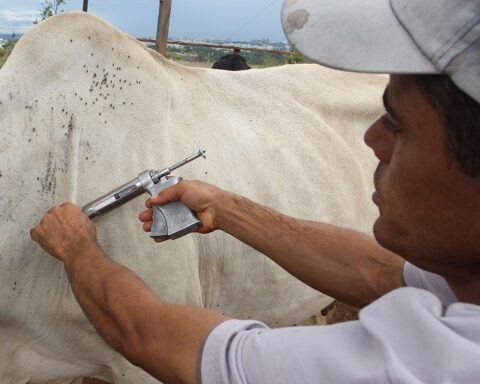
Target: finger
x=147, y=227
x=167, y=195
x=34, y=233
x=37, y=233
x=52, y=209
x=203, y=229
x=70, y=207
x=146, y=215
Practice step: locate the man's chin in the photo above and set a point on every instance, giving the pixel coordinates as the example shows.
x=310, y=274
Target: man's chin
x=381, y=234
x=388, y=237
x=377, y=228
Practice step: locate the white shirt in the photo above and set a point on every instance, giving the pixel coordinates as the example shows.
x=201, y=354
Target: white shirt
x=408, y=336
x=418, y=278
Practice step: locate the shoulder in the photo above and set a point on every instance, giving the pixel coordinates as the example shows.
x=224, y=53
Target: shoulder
x=405, y=336
x=415, y=317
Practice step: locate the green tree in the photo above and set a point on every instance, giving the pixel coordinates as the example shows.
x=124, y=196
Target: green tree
x=49, y=8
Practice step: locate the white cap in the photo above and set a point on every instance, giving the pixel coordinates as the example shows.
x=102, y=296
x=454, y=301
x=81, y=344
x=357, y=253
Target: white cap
x=390, y=36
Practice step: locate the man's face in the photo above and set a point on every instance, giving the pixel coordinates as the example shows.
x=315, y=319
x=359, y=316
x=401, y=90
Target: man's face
x=429, y=210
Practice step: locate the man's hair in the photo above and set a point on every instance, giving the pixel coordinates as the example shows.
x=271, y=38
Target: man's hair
x=461, y=116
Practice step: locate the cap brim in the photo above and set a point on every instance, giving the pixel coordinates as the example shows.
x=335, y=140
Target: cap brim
x=354, y=35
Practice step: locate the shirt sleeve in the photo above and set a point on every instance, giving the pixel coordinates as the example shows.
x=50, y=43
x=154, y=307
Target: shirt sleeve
x=401, y=338
x=436, y=284
x=249, y=352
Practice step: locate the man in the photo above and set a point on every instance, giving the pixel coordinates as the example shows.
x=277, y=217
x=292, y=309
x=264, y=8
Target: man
x=427, y=187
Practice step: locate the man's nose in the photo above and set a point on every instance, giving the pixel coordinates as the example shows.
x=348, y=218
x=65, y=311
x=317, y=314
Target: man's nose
x=381, y=140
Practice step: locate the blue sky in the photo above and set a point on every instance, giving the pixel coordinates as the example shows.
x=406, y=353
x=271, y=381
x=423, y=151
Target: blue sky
x=201, y=19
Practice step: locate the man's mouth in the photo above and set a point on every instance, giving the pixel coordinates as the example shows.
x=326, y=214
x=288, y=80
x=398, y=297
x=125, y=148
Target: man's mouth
x=376, y=181
x=376, y=198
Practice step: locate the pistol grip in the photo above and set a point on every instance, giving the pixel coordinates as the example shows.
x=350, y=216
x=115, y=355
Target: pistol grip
x=174, y=219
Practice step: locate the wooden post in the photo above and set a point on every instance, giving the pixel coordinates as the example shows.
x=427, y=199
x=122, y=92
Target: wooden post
x=85, y=5
x=162, y=26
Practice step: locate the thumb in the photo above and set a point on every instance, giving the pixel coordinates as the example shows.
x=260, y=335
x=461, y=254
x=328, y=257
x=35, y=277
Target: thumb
x=165, y=196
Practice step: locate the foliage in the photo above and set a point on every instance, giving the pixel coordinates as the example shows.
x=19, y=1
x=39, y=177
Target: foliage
x=7, y=49
x=297, y=59
x=49, y=8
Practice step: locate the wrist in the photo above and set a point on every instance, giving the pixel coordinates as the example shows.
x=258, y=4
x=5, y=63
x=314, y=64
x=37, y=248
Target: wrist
x=88, y=252
x=224, y=206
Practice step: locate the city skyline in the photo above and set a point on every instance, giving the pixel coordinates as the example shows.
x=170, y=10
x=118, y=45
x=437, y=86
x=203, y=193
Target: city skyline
x=209, y=19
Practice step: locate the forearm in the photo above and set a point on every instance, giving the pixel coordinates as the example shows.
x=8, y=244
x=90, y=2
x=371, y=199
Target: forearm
x=344, y=264
x=163, y=339
x=106, y=291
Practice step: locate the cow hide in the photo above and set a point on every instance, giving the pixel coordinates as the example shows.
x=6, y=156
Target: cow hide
x=85, y=108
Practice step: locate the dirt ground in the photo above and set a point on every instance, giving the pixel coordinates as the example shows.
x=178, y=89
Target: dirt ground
x=344, y=312
x=340, y=313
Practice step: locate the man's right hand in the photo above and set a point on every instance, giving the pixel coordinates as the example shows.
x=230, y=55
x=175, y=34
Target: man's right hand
x=201, y=198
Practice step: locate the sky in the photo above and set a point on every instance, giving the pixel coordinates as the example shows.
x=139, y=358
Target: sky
x=197, y=19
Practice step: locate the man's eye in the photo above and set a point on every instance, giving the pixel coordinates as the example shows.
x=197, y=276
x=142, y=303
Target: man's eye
x=390, y=125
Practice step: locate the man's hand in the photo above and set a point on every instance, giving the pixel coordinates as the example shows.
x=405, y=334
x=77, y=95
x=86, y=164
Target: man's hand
x=200, y=197
x=65, y=231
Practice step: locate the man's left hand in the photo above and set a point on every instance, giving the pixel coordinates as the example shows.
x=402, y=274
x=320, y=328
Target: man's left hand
x=65, y=231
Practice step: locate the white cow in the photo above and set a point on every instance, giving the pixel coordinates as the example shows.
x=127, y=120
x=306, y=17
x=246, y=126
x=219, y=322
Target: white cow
x=84, y=108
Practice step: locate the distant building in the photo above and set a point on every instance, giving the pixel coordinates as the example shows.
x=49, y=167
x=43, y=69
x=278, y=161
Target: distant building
x=262, y=43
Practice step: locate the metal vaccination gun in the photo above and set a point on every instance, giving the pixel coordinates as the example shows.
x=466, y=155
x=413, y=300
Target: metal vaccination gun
x=171, y=220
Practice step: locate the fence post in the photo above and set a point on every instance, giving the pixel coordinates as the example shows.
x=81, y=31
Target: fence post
x=162, y=26
x=85, y=5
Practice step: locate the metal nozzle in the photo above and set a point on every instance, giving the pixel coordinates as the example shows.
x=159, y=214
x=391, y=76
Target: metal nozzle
x=157, y=175
x=200, y=153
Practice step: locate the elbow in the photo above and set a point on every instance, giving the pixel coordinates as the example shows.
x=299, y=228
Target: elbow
x=140, y=353
x=143, y=348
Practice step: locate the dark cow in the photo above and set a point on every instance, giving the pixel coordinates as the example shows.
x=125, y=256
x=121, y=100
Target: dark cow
x=232, y=62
